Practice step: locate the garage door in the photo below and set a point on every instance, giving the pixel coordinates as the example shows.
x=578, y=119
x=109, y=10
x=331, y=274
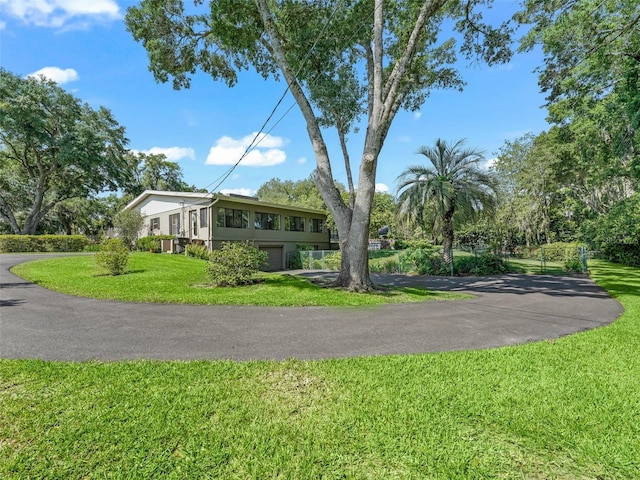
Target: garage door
x=275, y=257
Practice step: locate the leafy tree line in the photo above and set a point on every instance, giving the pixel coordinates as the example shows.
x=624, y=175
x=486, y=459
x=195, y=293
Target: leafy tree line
x=59, y=157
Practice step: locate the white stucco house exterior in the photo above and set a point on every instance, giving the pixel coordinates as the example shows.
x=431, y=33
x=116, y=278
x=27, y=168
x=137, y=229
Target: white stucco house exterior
x=210, y=219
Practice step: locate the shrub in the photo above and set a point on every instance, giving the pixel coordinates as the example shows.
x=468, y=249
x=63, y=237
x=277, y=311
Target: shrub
x=235, y=263
x=399, y=244
x=42, y=243
x=113, y=256
x=152, y=243
x=128, y=223
x=560, y=251
x=295, y=259
x=197, y=251
x=333, y=260
x=423, y=261
x=486, y=264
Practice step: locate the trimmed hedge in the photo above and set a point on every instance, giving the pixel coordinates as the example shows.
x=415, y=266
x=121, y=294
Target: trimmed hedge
x=42, y=243
x=152, y=243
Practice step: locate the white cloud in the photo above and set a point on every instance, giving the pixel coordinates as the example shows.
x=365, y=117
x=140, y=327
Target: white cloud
x=490, y=163
x=382, y=187
x=302, y=160
x=3, y=25
x=57, y=74
x=266, y=151
x=238, y=191
x=404, y=138
x=60, y=13
x=173, y=154
x=417, y=115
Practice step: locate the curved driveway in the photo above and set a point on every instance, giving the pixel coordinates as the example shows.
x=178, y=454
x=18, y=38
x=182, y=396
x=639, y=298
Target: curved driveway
x=509, y=309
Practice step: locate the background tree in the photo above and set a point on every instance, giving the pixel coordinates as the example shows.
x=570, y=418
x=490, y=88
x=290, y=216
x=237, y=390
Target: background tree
x=53, y=148
x=155, y=172
x=301, y=193
x=128, y=224
x=318, y=47
x=591, y=74
x=453, y=184
x=383, y=214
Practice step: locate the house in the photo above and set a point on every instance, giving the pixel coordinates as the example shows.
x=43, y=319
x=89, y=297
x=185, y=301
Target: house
x=210, y=219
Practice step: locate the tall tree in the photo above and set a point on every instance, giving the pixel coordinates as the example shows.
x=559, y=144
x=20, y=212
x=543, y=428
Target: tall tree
x=318, y=48
x=591, y=73
x=53, y=148
x=155, y=172
x=453, y=184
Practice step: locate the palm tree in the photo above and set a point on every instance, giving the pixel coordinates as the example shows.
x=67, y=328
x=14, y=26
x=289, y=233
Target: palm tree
x=453, y=186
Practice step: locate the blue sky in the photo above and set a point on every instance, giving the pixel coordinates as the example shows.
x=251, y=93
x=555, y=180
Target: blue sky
x=84, y=46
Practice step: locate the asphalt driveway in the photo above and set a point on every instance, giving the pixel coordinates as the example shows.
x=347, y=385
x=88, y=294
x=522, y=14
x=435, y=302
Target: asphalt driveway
x=506, y=310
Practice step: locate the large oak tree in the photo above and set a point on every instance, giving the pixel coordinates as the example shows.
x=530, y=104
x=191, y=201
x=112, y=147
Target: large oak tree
x=340, y=59
x=53, y=148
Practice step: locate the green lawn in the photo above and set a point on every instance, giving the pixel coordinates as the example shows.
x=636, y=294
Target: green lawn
x=563, y=409
x=180, y=279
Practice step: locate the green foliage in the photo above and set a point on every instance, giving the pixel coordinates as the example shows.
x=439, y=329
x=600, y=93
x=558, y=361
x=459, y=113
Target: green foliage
x=560, y=251
x=128, y=224
x=618, y=232
x=152, y=243
x=42, y=243
x=333, y=260
x=197, y=251
x=54, y=148
x=113, y=256
x=423, y=261
x=452, y=188
x=486, y=264
x=400, y=244
x=235, y=263
x=390, y=265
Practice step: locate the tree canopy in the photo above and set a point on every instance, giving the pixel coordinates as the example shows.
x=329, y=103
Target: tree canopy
x=53, y=148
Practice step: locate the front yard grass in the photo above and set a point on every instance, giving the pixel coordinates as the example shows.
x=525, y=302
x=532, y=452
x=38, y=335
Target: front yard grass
x=179, y=279
x=561, y=409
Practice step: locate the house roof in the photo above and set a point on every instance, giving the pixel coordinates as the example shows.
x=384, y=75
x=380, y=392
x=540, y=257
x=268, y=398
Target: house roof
x=215, y=197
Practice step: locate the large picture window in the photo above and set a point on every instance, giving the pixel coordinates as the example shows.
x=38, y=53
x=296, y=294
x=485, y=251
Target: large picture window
x=266, y=221
x=231, y=218
x=294, y=224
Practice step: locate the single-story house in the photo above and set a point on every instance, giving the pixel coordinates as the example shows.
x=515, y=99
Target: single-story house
x=210, y=219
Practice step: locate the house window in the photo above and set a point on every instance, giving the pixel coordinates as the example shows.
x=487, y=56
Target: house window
x=316, y=225
x=294, y=224
x=231, y=218
x=266, y=221
x=204, y=218
x=174, y=224
x=154, y=224
x=194, y=222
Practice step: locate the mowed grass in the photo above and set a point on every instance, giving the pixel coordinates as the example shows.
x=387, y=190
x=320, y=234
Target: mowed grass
x=180, y=279
x=562, y=409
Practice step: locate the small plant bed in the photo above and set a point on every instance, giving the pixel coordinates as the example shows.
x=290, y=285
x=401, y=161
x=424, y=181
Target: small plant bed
x=180, y=279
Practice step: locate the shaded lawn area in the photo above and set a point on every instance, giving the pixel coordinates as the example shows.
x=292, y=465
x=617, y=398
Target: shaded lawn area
x=179, y=279
x=566, y=409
